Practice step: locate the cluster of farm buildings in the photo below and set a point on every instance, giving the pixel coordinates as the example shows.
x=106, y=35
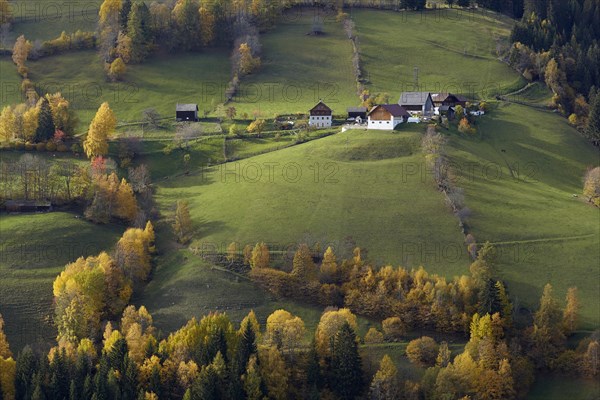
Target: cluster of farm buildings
x=411, y=107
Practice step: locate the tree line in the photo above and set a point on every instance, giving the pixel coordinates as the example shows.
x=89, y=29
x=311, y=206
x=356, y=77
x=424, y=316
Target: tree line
x=559, y=42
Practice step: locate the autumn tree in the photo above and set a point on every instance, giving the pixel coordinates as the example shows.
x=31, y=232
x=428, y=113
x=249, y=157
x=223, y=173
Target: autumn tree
x=331, y=321
x=4, y=347
x=303, y=266
x=108, y=26
x=346, y=375
x=8, y=124
x=6, y=16
x=117, y=69
x=62, y=115
x=260, y=257
x=284, y=330
x=571, y=311
x=256, y=126
x=133, y=254
x=385, y=385
x=422, y=351
x=101, y=127
x=182, y=225
x=329, y=267
x=591, y=360
x=591, y=186
x=20, y=54
x=274, y=372
x=248, y=63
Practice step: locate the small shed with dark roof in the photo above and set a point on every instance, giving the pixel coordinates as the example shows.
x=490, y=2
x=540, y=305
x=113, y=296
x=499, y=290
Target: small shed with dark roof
x=186, y=112
x=357, y=112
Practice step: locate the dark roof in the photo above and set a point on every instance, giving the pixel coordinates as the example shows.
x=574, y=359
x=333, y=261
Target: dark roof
x=446, y=108
x=357, y=109
x=395, y=109
x=413, y=98
x=321, y=105
x=440, y=97
x=187, y=107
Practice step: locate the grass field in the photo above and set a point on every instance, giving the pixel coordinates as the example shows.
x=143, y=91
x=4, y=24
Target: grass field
x=561, y=387
x=35, y=248
x=10, y=83
x=519, y=175
x=454, y=51
x=159, y=83
x=43, y=20
x=355, y=184
x=298, y=69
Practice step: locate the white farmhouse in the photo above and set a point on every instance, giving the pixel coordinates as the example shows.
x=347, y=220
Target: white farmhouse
x=320, y=116
x=387, y=117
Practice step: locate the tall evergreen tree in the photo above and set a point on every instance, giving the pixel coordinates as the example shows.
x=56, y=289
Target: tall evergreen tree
x=124, y=14
x=139, y=31
x=46, y=128
x=346, y=376
x=25, y=370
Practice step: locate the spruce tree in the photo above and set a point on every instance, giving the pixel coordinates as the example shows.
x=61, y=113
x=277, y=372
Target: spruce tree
x=124, y=14
x=346, y=379
x=138, y=29
x=46, y=128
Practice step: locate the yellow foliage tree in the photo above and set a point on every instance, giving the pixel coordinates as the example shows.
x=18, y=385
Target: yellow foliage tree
x=30, y=122
x=4, y=347
x=20, y=53
x=260, y=256
x=126, y=206
x=274, y=372
x=330, y=323
x=384, y=385
x=117, y=69
x=182, y=225
x=248, y=64
x=133, y=254
x=8, y=124
x=8, y=369
x=284, y=330
x=101, y=127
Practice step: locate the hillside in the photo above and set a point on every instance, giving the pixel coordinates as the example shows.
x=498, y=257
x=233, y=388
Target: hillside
x=520, y=174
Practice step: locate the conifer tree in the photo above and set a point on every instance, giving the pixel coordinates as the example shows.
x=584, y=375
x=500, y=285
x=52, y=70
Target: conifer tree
x=45, y=129
x=346, y=379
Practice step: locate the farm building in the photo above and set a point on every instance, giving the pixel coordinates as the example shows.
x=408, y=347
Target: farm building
x=186, y=112
x=448, y=99
x=447, y=111
x=27, y=206
x=320, y=116
x=387, y=117
x=417, y=103
x=357, y=112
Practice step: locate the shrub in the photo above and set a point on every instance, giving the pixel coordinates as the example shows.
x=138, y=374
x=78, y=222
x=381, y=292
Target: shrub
x=50, y=146
x=373, y=336
x=75, y=148
x=393, y=328
x=422, y=351
x=28, y=146
x=62, y=148
x=40, y=147
x=19, y=145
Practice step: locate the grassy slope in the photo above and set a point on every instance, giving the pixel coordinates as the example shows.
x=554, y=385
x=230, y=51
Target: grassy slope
x=159, y=83
x=359, y=191
x=43, y=20
x=556, y=235
x=35, y=248
x=10, y=83
x=298, y=70
x=561, y=387
x=392, y=44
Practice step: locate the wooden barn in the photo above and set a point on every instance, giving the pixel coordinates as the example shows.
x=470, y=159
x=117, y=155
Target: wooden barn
x=357, y=112
x=321, y=116
x=186, y=112
x=387, y=116
x=448, y=99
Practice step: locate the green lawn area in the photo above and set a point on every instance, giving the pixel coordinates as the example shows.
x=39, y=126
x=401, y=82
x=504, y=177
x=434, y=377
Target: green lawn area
x=10, y=83
x=355, y=186
x=455, y=51
x=35, y=248
x=299, y=69
x=159, y=83
x=519, y=176
x=561, y=387
x=44, y=20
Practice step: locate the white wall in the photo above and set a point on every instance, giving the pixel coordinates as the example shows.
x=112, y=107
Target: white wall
x=320, y=121
x=384, y=125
